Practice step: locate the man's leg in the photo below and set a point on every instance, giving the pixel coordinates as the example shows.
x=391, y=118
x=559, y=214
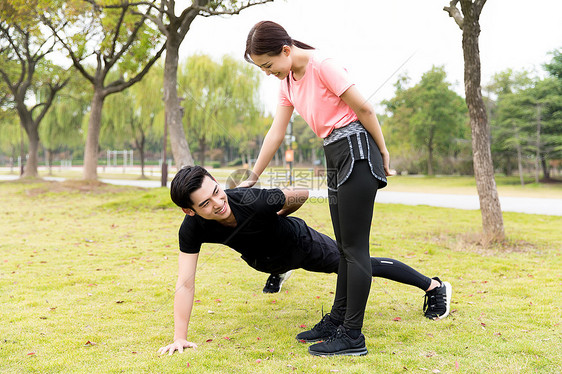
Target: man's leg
x=323, y=256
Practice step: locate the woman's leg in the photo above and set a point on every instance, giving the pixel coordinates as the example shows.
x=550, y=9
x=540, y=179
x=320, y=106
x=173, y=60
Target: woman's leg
x=351, y=216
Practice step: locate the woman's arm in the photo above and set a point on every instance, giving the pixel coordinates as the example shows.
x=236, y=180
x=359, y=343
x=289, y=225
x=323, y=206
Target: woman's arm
x=368, y=118
x=271, y=143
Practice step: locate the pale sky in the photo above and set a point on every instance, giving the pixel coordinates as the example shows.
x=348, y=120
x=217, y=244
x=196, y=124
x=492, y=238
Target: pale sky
x=372, y=38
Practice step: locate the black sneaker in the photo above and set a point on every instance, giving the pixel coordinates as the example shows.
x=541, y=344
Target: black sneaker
x=321, y=331
x=275, y=281
x=340, y=344
x=437, y=302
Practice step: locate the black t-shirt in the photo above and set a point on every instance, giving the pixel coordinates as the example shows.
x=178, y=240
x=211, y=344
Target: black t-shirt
x=259, y=232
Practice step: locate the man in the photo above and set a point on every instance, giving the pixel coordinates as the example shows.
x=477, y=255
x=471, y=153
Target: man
x=254, y=223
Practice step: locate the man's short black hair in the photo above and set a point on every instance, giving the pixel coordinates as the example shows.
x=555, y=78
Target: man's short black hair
x=187, y=180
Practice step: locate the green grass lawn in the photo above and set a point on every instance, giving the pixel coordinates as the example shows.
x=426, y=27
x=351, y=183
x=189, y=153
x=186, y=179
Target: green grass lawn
x=87, y=276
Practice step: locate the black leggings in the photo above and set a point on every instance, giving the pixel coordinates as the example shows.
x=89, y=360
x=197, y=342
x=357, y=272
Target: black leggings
x=351, y=209
x=397, y=271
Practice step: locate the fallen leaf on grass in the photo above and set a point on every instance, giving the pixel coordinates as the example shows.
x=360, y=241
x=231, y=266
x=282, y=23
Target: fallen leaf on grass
x=208, y=340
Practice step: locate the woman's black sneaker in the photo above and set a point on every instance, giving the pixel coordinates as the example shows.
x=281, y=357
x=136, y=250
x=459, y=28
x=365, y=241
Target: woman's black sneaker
x=340, y=344
x=321, y=331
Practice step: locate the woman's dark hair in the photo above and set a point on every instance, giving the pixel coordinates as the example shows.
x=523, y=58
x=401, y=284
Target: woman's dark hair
x=186, y=181
x=267, y=37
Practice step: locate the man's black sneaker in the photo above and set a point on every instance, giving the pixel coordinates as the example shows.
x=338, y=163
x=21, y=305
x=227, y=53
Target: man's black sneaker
x=275, y=281
x=321, y=331
x=340, y=344
x=437, y=302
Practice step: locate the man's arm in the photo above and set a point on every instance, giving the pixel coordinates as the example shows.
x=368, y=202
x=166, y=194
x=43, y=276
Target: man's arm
x=294, y=199
x=183, y=303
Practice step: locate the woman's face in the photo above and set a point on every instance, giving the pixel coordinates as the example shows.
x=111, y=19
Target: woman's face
x=278, y=65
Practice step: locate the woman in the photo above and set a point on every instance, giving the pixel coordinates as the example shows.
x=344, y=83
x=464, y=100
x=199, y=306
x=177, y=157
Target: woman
x=357, y=165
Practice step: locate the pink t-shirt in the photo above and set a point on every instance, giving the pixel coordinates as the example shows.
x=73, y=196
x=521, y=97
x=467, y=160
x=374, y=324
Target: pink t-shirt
x=316, y=96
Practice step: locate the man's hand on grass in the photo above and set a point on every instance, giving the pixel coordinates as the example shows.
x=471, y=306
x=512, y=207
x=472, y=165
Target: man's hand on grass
x=177, y=345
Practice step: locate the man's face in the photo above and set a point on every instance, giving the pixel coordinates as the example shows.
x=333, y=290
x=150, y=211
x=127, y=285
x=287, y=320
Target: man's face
x=209, y=202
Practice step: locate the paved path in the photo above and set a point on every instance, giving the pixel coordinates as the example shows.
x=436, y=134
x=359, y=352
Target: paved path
x=528, y=205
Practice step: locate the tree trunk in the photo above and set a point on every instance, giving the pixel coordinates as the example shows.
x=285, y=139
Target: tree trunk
x=520, y=165
x=202, y=149
x=30, y=170
x=141, y=151
x=92, y=140
x=50, y=160
x=538, y=152
x=430, y=161
x=545, y=169
x=26, y=121
x=492, y=219
x=180, y=148
x=430, y=153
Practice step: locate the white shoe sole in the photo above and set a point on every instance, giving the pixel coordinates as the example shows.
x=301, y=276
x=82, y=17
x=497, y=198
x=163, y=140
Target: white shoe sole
x=449, y=293
x=285, y=276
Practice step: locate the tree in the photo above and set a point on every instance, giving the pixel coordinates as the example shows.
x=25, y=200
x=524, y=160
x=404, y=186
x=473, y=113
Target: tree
x=32, y=81
x=221, y=100
x=547, y=107
x=554, y=67
x=469, y=22
x=507, y=118
x=132, y=115
x=175, y=27
x=429, y=115
x=62, y=126
x=117, y=39
x=307, y=143
x=554, y=108
x=10, y=134
x=527, y=119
